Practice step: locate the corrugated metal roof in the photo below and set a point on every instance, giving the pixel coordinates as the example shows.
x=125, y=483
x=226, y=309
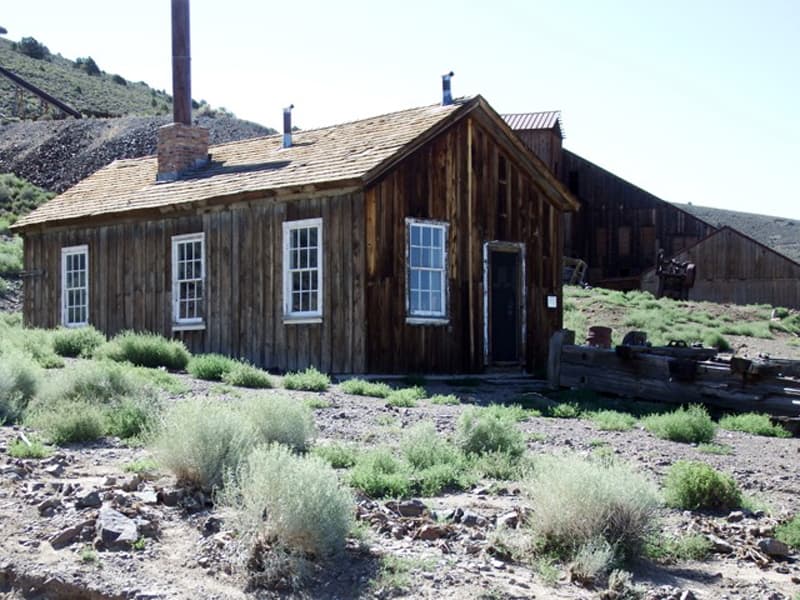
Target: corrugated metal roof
x=534, y=120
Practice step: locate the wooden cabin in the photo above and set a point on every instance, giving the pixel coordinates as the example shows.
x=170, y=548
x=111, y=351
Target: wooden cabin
x=426, y=240
x=732, y=267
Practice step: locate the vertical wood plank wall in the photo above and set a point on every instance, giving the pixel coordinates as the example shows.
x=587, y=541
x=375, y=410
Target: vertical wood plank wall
x=620, y=227
x=730, y=267
x=452, y=177
x=130, y=280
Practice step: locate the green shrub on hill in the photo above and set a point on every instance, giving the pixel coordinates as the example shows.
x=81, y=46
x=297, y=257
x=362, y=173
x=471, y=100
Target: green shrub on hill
x=210, y=367
x=690, y=425
x=757, y=424
x=695, y=485
x=146, y=350
x=309, y=380
x=79, y=341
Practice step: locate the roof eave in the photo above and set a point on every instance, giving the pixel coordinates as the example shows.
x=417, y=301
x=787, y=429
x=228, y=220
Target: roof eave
x=550, y=186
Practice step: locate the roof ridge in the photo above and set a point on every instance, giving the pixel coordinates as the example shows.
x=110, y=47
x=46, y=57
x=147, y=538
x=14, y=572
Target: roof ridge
x=459, y=100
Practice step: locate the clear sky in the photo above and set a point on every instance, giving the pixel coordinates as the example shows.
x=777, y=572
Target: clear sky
x=695, y=101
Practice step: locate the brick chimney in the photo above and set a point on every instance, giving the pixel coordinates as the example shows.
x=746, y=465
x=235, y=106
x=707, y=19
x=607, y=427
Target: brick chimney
x=181, y=146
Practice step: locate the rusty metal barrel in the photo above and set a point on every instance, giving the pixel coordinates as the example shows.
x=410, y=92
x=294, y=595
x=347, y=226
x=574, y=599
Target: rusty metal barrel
x=599, y=336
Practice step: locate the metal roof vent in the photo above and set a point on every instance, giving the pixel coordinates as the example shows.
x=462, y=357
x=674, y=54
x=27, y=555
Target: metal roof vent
x=447, y=96
x=287, y=126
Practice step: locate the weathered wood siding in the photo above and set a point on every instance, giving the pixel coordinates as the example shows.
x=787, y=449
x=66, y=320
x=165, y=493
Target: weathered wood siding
x=620, y=227
x=544, y=143
x=130, y=280
x=454, y=178
x=731, y=267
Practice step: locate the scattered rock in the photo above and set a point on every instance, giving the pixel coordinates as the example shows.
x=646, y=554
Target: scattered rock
x=147, y=496
x=169, y=497
x=212, y=525
x=67, y=536
x=408, y=508
x=509, y=520
x=90, y=500
x=773, y=547
x=47, y=507
x=432, y=532
x=132, y=484
x=735, y=516
x=115, y=530
x=719, y=545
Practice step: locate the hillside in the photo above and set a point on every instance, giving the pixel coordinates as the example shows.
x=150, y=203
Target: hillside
x=55, y=155
x=778, y=233
x=747, y=330
x=100, y=94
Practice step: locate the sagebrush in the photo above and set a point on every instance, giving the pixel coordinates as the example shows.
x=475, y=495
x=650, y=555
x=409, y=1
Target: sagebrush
x=296, y=501
x=577, y=501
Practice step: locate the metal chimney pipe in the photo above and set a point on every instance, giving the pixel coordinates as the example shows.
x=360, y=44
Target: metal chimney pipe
x=287, y=126
x=447, y=97
x=181, y=64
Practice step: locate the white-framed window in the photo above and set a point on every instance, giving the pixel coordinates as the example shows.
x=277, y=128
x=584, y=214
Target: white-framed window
x=302, y=269
x=75, y=286
x=426, y=260
x=188, y=279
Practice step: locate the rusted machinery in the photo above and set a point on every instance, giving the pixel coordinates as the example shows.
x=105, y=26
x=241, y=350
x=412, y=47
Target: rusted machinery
x=675, y=278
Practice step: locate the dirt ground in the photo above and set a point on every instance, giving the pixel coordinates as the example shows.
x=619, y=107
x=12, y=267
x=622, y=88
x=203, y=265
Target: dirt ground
x=50, y=514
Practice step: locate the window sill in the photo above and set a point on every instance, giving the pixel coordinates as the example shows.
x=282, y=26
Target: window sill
x=301, y=320
x=427, y=321
x=189, y=327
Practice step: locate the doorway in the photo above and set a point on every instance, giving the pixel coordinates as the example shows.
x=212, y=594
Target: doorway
x=504, y=309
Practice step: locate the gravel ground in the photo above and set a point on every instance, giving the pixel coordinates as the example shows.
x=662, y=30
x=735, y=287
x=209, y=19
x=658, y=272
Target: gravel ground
x=52, y=512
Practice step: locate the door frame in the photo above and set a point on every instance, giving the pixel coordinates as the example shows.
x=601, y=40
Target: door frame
x=498, y=246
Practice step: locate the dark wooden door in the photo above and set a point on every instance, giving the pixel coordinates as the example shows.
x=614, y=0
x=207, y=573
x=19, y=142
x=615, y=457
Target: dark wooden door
x=504, y=329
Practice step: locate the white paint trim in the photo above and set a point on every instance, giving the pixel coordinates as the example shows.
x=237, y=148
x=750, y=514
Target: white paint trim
x=189, y=327
x=72, y=251
x=301, y=321
x=428, y=317
x=195, y=323
x=427, y=321
x=308, y=316
x=518, y=247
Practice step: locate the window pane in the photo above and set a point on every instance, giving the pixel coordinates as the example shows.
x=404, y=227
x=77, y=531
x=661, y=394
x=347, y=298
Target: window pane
x=313, y=237
x=437, y=237
x=295, y=281
x=426, y=236
x=436, y=303
x=425, y=304
x=415, y=301
x=425, y=280
x=416, y=259
x=313, y=259
x=416, y=237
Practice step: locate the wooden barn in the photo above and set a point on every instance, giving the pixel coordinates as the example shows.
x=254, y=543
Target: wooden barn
x=426, y=240
x=732, y=267
x=620, y=227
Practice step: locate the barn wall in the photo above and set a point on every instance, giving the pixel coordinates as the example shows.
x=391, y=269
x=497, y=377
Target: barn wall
x=733, y=268
x=130, y=281
x=454, y=178
x=620, y=227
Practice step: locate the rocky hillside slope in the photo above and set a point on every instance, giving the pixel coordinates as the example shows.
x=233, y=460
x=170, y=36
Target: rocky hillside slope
x=55, y=155
x=779, y=233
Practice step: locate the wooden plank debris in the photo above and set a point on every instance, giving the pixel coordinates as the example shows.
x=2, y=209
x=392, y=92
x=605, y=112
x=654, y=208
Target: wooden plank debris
x=673, y=375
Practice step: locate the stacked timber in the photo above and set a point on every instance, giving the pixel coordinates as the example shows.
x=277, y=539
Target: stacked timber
x=677, y=374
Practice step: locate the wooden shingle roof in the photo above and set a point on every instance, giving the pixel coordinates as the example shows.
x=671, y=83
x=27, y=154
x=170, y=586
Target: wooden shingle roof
x=337, y=156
